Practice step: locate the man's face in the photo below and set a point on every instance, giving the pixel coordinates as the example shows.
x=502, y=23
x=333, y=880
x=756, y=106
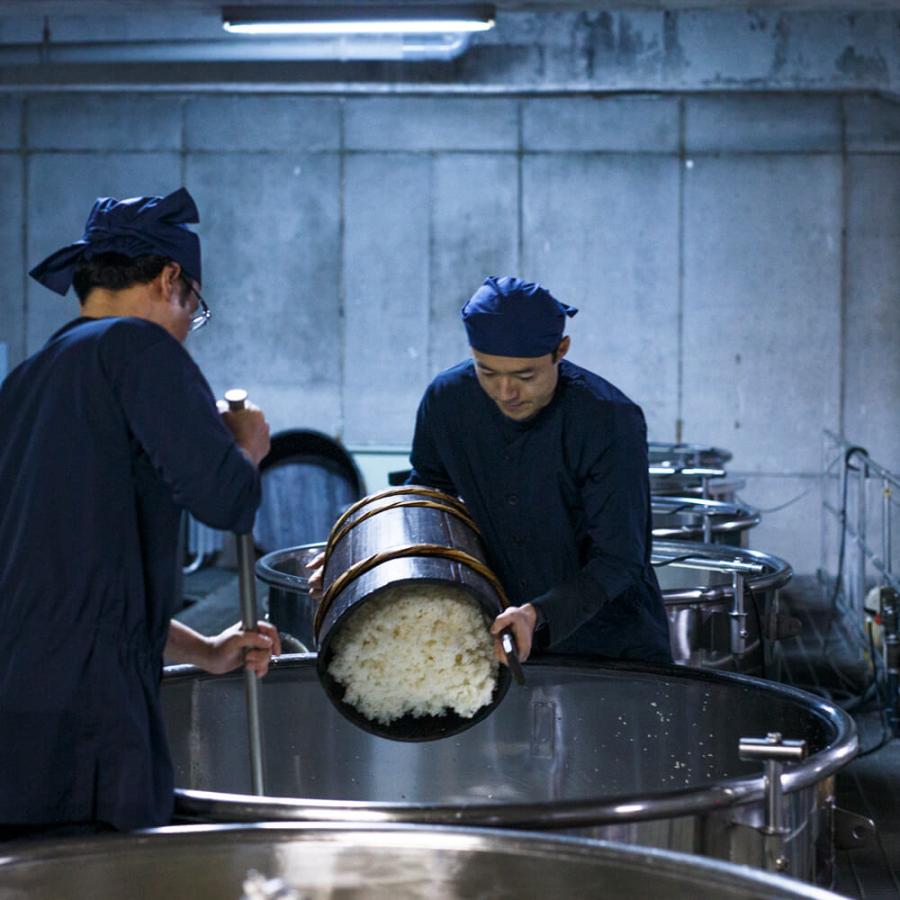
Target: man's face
x=182, y=306
x=520, y=386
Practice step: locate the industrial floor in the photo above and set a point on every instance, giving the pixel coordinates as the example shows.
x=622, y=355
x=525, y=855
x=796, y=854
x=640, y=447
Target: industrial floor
x=824, y=659
x=829, y=659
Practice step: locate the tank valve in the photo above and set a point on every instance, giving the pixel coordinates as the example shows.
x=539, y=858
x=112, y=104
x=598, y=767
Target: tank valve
x=774, y=751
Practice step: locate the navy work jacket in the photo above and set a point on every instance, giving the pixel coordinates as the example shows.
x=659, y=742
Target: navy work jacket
x=562, y=502
x=105, y=434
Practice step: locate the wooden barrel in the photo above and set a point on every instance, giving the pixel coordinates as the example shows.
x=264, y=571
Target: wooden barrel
x=404, y=535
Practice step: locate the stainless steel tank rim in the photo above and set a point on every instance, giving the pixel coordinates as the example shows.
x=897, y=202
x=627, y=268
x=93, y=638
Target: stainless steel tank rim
x=699, y=505
x=265, y=573
x=557, y=813
x=558, y=848
x=781, y=573
x=779, y=576
x=679, y=447
x=691, y=471
x=674, y=534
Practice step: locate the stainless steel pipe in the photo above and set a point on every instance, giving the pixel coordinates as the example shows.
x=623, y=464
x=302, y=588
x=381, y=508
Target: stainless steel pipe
x=246, y=552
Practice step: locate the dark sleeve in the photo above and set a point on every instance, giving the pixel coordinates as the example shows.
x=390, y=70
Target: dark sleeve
x=171, y=412
x=427, y=466
x=616, y=498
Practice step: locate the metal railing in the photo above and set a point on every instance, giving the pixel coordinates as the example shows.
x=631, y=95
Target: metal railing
x=858, y=477
x=858, y=467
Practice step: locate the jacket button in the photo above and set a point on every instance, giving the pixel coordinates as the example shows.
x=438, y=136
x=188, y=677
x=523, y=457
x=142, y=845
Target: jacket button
x=512, y=499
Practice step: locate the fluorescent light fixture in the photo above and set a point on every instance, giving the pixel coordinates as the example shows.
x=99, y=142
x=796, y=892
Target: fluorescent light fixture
x=408, y=18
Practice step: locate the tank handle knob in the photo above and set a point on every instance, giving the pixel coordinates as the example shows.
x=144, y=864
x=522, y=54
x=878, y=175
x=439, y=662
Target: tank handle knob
x=772, y=747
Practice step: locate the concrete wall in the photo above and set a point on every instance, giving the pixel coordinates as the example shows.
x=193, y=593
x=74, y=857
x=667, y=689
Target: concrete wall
x=734, y=256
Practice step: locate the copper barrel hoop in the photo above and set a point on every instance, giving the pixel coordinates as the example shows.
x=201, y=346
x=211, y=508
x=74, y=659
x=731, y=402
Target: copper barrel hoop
x=376, y=559
x=335, y=539
x=447, y=499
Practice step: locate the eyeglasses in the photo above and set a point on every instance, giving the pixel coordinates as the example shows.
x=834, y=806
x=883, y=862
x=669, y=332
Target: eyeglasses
x=202, y=314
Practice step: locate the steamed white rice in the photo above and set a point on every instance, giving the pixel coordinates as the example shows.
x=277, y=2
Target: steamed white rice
x=415, y=649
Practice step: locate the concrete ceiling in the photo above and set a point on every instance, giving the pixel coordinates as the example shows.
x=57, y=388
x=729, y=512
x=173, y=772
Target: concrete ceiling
x=88, y=8
x=86, y=42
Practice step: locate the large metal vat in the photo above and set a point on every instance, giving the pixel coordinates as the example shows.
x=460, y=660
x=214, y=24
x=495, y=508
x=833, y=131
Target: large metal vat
x=696, y=519
x=291, y=610
x=662, y=453
x=383, y=862
x=308, y=479
x=722, y=603
x=636, y=753
x=713, y=594
x=711, y=484
x=690, y=470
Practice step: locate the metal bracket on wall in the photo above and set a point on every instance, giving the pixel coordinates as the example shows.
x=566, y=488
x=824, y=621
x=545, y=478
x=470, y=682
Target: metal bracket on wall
x=851, y=830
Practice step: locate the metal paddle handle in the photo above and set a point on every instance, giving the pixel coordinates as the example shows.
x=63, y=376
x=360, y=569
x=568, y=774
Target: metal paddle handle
x=508, y=642
x=246, y=553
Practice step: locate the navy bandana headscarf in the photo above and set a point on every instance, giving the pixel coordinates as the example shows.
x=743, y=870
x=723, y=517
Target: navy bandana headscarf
x=510, y=317
x=140, y=226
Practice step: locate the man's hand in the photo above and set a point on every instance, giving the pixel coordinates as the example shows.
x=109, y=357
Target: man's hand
x=249, y=427
x=522, y=620
x=234, y=646
x=316, y=567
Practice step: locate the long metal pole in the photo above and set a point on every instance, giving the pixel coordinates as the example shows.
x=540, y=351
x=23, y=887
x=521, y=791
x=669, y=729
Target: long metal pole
x=247, y=586
x=886, y=549
x=862, y=486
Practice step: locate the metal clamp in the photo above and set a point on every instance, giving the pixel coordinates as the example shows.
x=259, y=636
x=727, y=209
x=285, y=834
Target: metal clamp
x=774, y=752
x=738, y=614
x=852, y=831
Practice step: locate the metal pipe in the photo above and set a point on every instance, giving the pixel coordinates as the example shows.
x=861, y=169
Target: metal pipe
x=886, y=549
x=874, y=466
x=861, y=489
x=773, y=751
x=739, y=633
x=246, y=552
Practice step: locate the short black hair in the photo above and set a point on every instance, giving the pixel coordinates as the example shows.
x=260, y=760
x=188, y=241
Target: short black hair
x=115, y=272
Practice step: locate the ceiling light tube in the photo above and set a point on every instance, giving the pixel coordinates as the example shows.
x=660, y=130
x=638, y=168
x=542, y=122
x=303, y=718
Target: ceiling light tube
x=400, y=19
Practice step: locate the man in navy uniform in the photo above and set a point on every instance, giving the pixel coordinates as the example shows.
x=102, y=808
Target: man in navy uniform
x=551, y=461
x=106, y=434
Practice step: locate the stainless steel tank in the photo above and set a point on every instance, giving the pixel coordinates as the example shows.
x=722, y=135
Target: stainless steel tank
x=635, y=753
x=696, y=519
x=662, y=453
x=722, y=603
x=285, y=574
x=380, y=862
x=719, y=600
x=690, y=470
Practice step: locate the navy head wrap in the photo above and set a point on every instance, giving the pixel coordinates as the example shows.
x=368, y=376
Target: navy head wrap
x=140, y=226
x=510, y=317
